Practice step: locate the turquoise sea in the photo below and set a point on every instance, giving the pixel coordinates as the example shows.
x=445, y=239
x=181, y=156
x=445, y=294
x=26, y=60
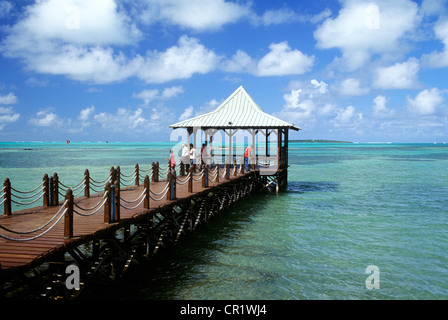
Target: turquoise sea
x=347, y=207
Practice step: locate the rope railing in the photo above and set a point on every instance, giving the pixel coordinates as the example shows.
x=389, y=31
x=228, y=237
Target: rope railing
x=99, y=184
x=97, y=206
x=51, y=188
x=162, y=194
x=183, y=181
x=61, y=212
x=213, y=175
x=39, y=194
x=149, y=170
x=24, y=192
x=141, y=198
x=76, y=186
x=128, y=182
x=129, y=175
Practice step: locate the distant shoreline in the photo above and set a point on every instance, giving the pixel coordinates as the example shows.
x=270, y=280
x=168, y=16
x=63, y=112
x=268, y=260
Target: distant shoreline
x=318, y=141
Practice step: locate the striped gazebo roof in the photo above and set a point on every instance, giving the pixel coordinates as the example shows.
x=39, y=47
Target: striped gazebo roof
x=238, y=111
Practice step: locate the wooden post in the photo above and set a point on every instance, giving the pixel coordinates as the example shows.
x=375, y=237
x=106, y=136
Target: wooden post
x=168, y=179
x=153, y=174
x=234, y=167
x=157, y=171
x=118, y=175
x=117, y=200
x=174, y=184
x=55, y=189
x=113, y=175
x=107, y=204
x=243, y=166
x=146, y=203
x=205, y=178
x=279, y=148
x=137, y=175
x=190, y=180
x=87, y=183
x=182, y=169
x=46, y=197
x=227, y=171
x=68, y=218
x=7, y=196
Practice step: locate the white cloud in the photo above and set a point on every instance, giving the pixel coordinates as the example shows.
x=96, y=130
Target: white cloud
x=92, y=22
x=169, y=93
x=326, y=110
x=351, y=87
x=240, y=62
x=85, y=116
x=96, y=64
x=71, y=38
x=123, y=119
x=9, y=98
x=281, y=60
x=278, y=16
x=438, y=59
x=364, y=28
x=47, y=47
x=380, y=109
x=319, y=87
x=302, y=108
x=149, y=95
x=305, y=101
x=433, y=7
x=46, y=119
x=427, y=102
x=198, y=15
x=7, y=116
x=347, y=116
x=187, y=114
x=398, y=76
x=178, y=62
x=5, y=8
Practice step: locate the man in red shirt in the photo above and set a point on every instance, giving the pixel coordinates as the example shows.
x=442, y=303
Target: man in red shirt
x=247, y=154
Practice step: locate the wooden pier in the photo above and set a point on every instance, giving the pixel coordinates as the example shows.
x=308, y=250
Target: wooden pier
x=136, y=220
x=104, y=226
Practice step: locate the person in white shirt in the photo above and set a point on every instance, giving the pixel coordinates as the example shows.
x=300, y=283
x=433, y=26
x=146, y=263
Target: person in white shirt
x=186, y=157
x=193, y=155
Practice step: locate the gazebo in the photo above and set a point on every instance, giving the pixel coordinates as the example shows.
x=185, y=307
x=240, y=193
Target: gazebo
x=242, y=123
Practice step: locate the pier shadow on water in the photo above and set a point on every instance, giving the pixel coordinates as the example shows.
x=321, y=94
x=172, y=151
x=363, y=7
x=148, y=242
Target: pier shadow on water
x=181, y=265
x=312, y=186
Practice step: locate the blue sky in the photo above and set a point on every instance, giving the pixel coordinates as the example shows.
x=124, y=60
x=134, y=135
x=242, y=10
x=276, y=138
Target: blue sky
x=124, y=70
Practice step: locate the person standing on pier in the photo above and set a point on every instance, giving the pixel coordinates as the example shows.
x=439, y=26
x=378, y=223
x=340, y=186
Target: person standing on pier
x=185, y=157
x=204, y=154
x=172, y=161
x=192, y=154
x=247, y=154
